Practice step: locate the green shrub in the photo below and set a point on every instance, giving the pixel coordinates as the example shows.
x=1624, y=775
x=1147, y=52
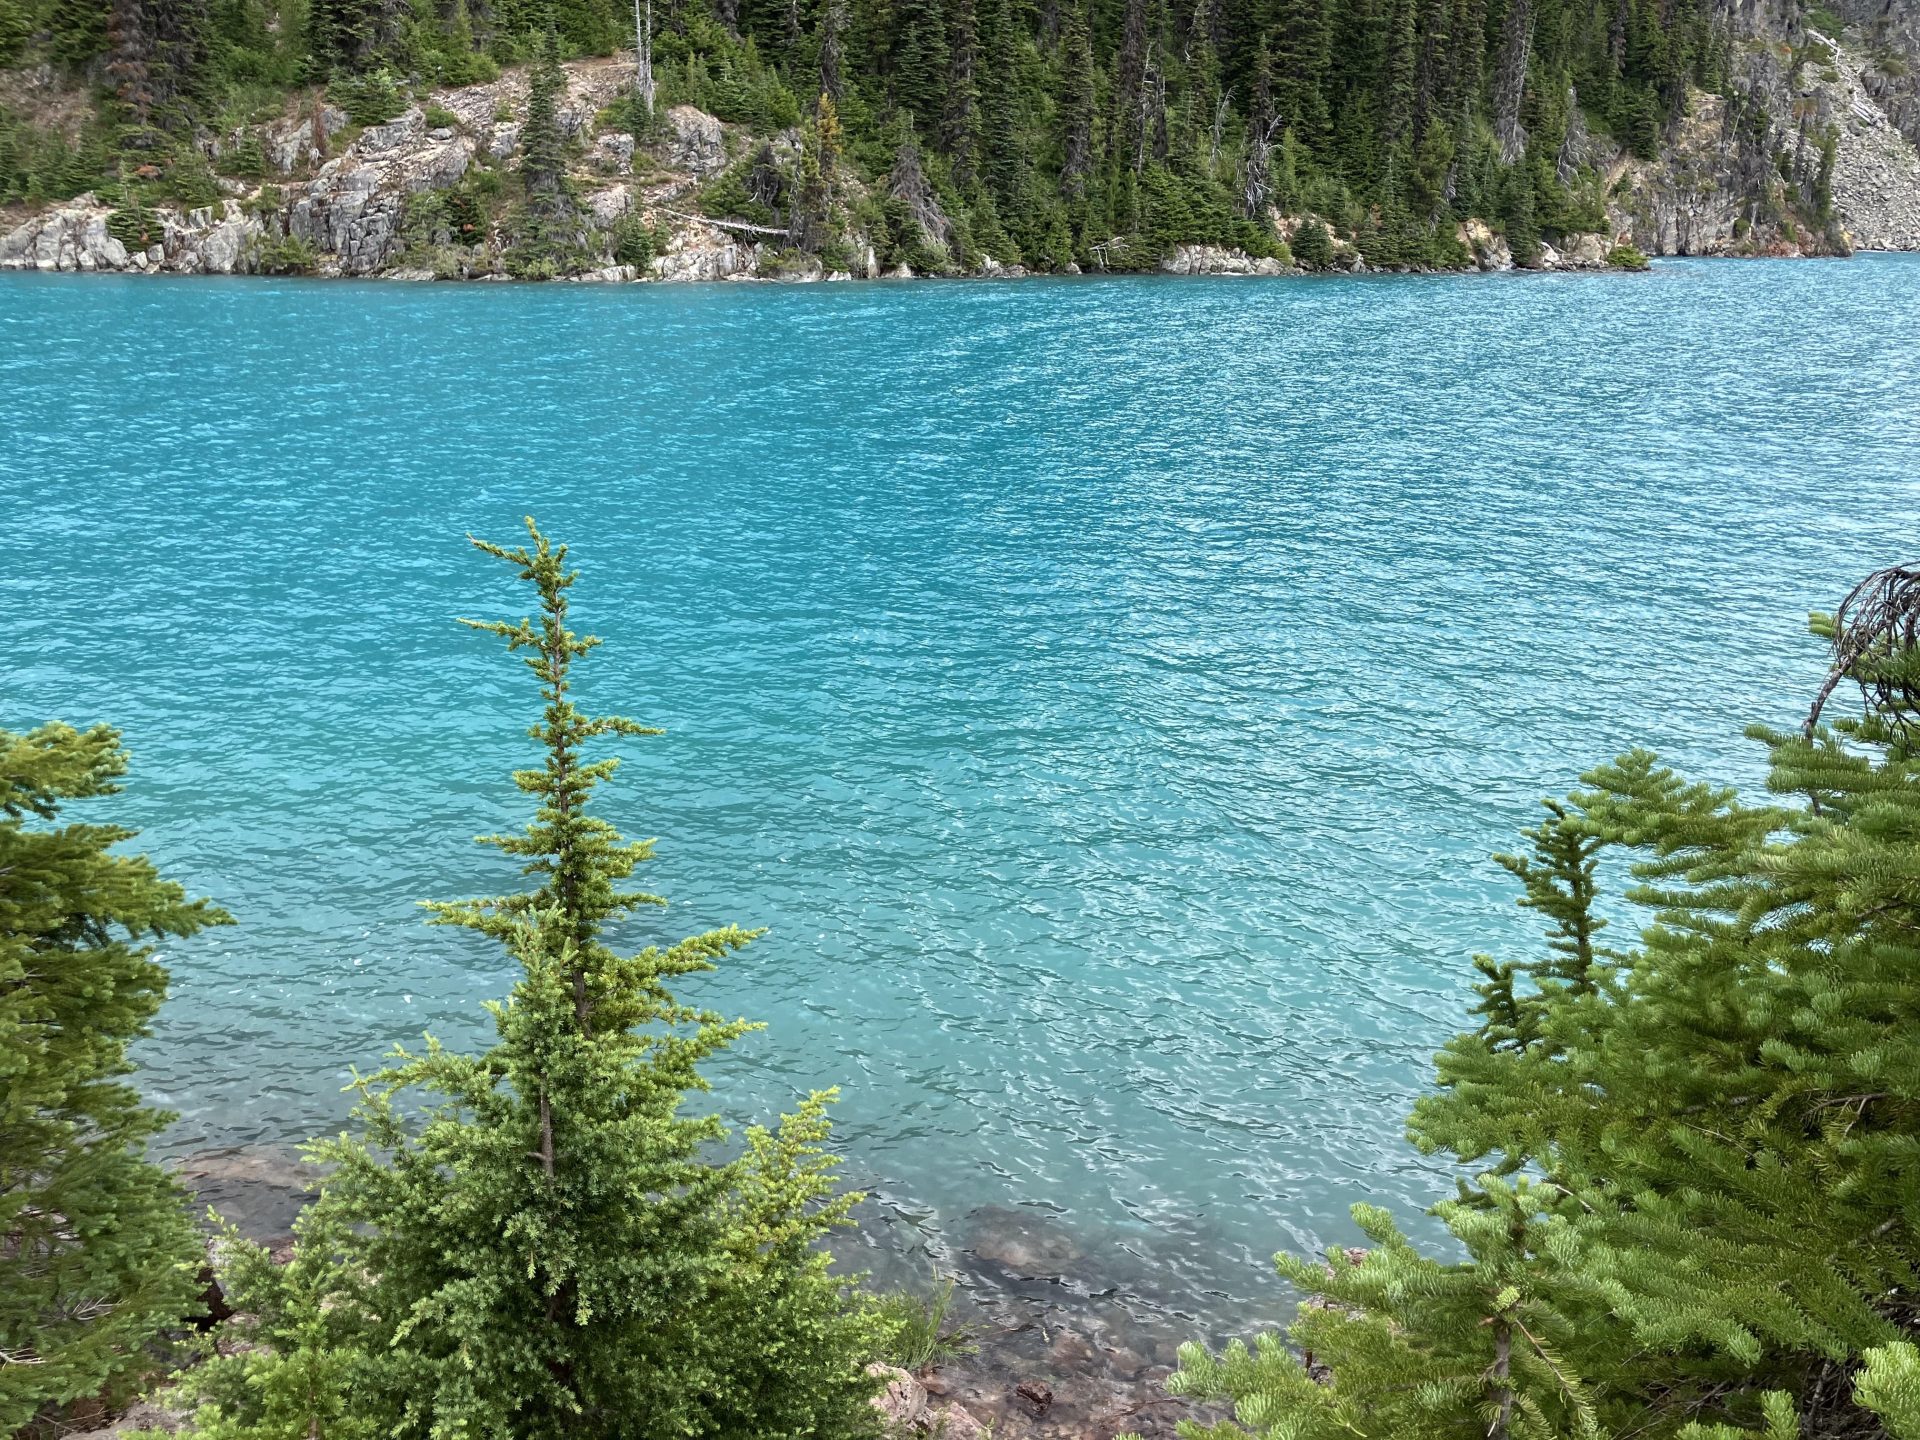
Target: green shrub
x=188, y=180
x=838, y=254
x=1627, y=257
x=635, y=242
x=370, y=99
x=1664, y=1148
x=246, y=159
x=283, y=255
x=1312, y=245
x=915, y=1329
x=441, y=118
x=135, y=226
x=533, y=265
x=39, y=165
x=776, y=263
x=16, y=28
x=731, y=81
x=466, y=212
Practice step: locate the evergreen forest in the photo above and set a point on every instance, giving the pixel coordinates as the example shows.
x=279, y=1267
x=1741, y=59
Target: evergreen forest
x=1041, y=132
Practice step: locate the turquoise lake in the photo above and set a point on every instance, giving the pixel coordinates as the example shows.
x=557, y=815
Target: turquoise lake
x=1107, y=693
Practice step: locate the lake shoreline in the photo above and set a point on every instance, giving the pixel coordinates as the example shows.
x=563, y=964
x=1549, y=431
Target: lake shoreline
x=1008, y=274
x=1047, y=1347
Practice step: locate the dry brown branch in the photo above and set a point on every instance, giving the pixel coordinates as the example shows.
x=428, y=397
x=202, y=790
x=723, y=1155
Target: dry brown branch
x=1879, y=619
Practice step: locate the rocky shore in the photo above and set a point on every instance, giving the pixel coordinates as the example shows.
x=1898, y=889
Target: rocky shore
x=340, y=200
x=1061, y=1338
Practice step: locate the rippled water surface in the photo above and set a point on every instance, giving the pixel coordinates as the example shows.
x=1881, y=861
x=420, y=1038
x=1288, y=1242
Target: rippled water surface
x=1107, y=694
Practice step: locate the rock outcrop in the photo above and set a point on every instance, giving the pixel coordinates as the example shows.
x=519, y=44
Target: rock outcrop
x=1576, y=252
x=698, y=144
x=142, y=1418
x=1215, y=260
x=1490, y=251
x=1748, y=173
x=907, y=1414
x=1876, y=176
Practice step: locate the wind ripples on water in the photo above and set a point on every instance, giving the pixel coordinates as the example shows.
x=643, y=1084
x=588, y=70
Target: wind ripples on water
x=1107, y=694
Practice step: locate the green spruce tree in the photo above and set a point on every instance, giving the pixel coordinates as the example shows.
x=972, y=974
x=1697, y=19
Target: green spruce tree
x=537, y=1241
x=1721, y=1126
x=544, y=227
x=97, y=1250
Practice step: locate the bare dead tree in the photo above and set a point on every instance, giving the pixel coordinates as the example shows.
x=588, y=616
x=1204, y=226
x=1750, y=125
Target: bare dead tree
x=1875, y=634
x=833, y=20
x=1157, y=91
x=1510, y=80
x=744, y=227
x=1263, y=125
x=643, y=82
x=1222, y=108
x=1256, y=187
x=908, y=183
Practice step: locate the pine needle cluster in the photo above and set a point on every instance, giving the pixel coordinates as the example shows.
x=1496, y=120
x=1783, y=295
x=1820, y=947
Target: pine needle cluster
x=1690, y=1204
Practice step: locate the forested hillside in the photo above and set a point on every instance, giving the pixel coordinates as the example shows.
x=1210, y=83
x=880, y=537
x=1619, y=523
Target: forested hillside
x=1040, y=132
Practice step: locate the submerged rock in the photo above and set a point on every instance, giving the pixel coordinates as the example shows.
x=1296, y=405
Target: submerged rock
x=903, y=1403
x=1026, y=1244
x=952, y=1422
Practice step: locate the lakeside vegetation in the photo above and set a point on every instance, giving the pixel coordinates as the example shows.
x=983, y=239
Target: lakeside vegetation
x=944, y=133
x=1690, y=1165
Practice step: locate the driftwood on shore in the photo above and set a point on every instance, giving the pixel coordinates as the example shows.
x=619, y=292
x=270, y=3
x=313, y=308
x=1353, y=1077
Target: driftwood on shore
x=728, y=224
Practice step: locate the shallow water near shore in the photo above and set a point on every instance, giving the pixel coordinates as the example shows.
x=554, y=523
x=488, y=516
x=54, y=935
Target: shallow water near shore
x=1107, y=694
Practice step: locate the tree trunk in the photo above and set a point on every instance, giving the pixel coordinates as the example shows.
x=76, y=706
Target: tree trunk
x=1502, y=1378
x=1510, y=81
x=643, y=82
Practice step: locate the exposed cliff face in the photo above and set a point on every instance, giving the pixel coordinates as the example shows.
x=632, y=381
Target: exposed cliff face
x=1811, y=150
x=1876, y=182
x=1888, y=33
x=1802, y=156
